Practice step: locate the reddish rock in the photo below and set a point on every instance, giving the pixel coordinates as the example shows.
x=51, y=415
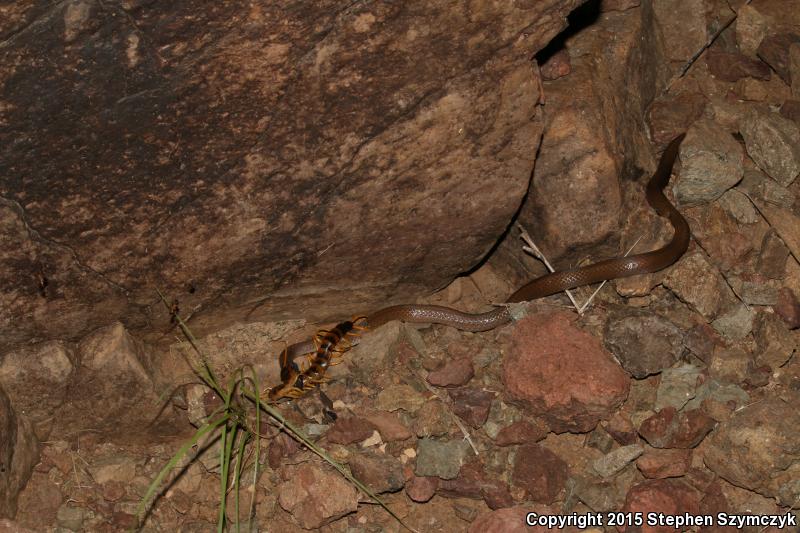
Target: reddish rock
x=667, y=496
x=540, y=472
x=673, y=114
x=315, y=496
x=621, y=429
x=453, y=374
x=670, y=429
x=9, y=526
x=422, y=489
x=557, y=66
x=379, y=472
x=791, y=110
x=472, y=405
x=663, y=463
x=389, y=426
x=509, y=520
x=774, y=51
x=522, y=432
x=563, y=373
x=788, y=308
x=713, y=502
x=473, y=482
x=757, y=448
x=349, y=429
x=732, y=66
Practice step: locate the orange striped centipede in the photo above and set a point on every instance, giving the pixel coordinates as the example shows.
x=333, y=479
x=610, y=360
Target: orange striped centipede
x=329, y=345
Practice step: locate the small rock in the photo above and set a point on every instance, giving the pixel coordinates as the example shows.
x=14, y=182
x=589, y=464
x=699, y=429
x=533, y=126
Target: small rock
x=677, y=387
x=422, y=489
x=379, y=472
x=673, y=114
x=557, y=66
x=758, y=448
x=791, y=108
x=603, y=495
x=389, y=426
x=70, y=517
x=621, y=429
x=644, y=344
x=735, y=324
x=615, y=461
x=670, y=429
x=774, y=51
x=658, y=463
x=348, y=430
x=772, y=256
x=400, y=396
x=774, y=341
x=696, y=282
x=433, y=419
x=722, y=393
x=730, y=364
x=700, y=340
x=119, y=468
x=773, y=142
x=501, y=414
x=599, y=439
x=751, y=28
x=754, y=289
x=473, y=482
x=758, y=185
x=472, y=405
x=453, y=374
x=442, y=459
x=540, y=472
x=19, y=453
x=9, y=526
x=711, y=163
x=315, y=496
x=739, y=207
x=788, y=308
x=732, y=66
x=545, y=367
x=509, y=520
x=36, y=379
x=522, y=432
x=668, y=496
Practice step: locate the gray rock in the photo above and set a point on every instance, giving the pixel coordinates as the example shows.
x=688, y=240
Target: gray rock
x=773, y=142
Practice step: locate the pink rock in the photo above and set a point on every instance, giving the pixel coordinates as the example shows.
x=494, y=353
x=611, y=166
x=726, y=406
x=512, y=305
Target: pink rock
x=422, y=489
x=663, y=463
x=347, y=430
x=508, y=520
x=472, y=405
x=562, y=373
x=521, y=432
x=315, y=496
x=389, y=426
x=540, y=472
x=669, y=429
x=454, y=373
x=667, y=496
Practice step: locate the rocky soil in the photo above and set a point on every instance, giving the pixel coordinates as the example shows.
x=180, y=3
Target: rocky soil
x=676, y=392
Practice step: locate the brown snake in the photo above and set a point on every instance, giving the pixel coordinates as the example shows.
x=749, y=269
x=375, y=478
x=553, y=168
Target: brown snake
x=548, y=284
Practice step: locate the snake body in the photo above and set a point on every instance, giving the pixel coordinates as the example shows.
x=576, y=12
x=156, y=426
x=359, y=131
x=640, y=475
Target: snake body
x=550, y=283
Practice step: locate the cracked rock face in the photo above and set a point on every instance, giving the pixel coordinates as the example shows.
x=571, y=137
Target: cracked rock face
x=246, y=157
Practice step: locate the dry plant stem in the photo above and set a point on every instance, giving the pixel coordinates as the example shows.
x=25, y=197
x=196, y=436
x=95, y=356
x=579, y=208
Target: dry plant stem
x=532, y=249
